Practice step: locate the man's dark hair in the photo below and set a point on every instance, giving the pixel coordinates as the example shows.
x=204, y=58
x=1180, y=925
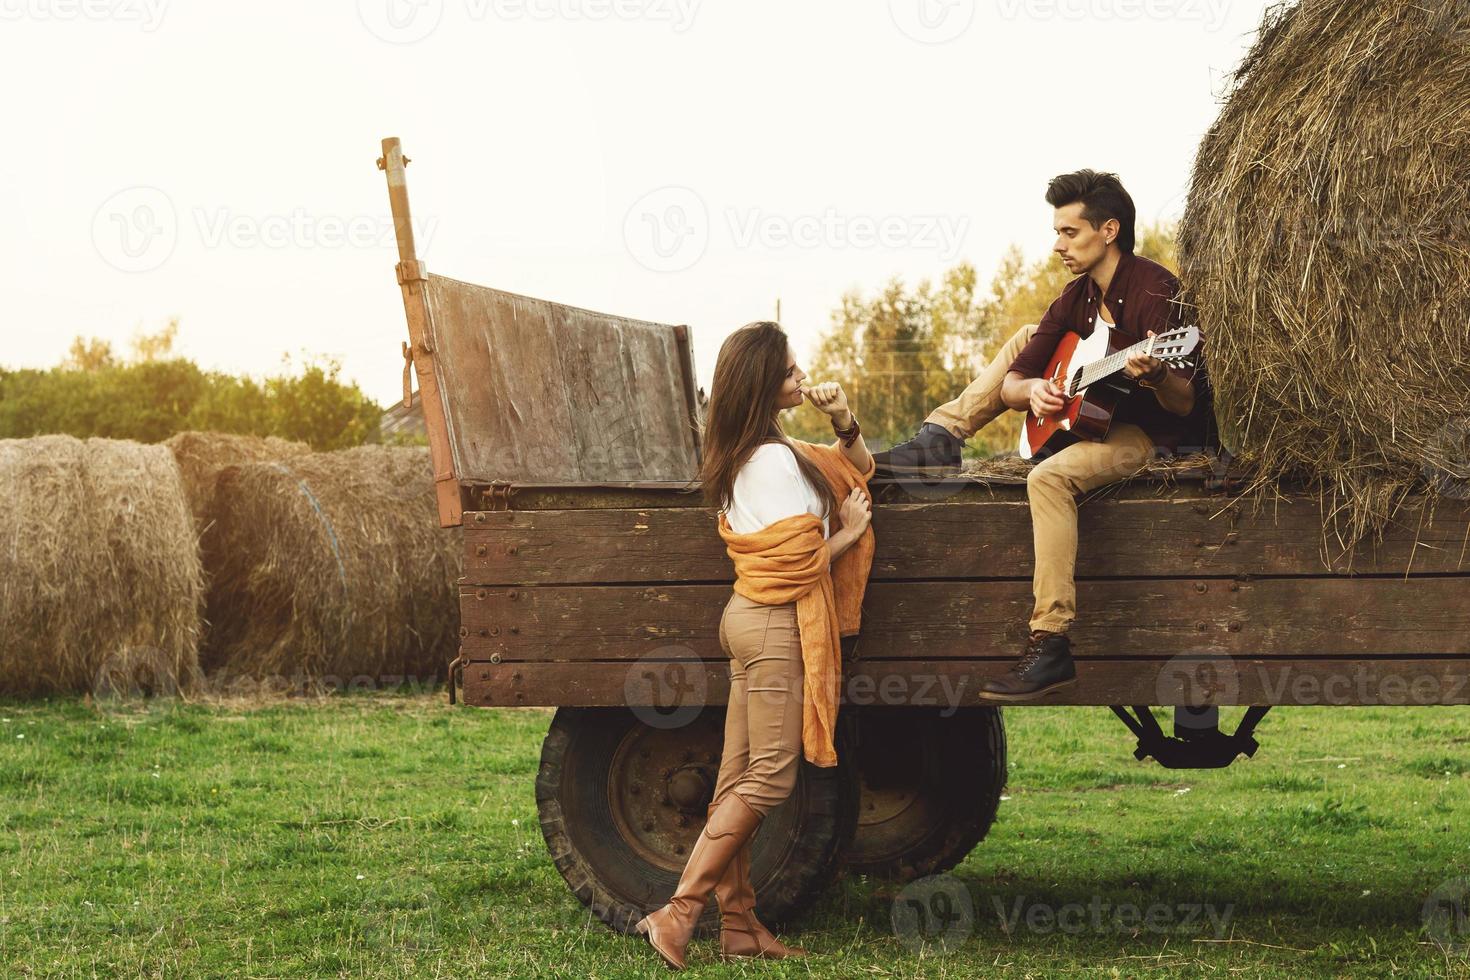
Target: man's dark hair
x=1102, y=197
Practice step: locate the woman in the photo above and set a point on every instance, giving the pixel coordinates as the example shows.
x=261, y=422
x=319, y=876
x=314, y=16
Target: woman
x=794, y=517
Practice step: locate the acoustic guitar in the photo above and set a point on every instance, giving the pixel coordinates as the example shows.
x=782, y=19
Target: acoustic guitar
x=1089, y=373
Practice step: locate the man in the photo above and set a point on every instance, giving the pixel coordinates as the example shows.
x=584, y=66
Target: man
x=1094, y=219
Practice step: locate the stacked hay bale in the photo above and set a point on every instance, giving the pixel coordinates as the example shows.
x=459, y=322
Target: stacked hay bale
x=329, y=568
x=1327, y=254
x=100, y=580
x=201, y=456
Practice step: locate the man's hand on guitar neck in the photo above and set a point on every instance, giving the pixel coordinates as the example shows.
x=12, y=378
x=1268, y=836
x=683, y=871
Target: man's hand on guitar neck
x=1174, y=394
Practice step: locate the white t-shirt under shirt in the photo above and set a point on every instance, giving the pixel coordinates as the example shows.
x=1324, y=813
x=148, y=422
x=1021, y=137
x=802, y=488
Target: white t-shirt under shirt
x=770, y=487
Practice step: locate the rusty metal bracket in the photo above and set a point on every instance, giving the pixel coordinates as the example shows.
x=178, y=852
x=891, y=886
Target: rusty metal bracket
x=497, y=495
x=456, y=667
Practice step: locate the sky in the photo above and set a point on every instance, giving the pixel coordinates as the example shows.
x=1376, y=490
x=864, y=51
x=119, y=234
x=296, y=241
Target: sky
x=681, y=161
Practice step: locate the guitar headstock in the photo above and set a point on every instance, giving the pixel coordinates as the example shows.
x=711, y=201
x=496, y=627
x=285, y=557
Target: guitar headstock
x=1175, y=347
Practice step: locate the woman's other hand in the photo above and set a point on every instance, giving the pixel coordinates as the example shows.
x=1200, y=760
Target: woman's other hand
x=856, y=511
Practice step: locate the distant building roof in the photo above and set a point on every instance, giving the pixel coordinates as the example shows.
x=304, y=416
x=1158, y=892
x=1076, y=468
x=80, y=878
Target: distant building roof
x=398, y=420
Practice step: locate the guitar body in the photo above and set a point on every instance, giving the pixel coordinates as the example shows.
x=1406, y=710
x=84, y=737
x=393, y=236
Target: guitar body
x=1087, y=415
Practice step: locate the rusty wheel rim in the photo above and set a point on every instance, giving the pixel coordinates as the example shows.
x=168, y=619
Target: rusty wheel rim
x=659, y=785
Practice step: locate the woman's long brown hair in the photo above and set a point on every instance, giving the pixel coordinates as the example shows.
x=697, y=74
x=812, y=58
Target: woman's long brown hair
x=743, y=413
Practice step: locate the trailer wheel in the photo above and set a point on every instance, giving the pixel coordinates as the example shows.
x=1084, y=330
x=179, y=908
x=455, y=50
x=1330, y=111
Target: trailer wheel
x=621, y=803
x=930, y=787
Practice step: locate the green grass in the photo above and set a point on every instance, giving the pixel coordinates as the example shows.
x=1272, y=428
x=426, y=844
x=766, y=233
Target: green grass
x=391, y=836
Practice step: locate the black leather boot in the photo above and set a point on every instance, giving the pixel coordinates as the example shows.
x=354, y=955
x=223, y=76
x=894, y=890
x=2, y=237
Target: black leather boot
x=933, y=451
x=1044, y=667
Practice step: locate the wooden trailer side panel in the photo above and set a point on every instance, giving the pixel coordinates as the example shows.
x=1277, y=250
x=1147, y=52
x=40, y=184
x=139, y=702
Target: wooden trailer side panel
x=1184, y=599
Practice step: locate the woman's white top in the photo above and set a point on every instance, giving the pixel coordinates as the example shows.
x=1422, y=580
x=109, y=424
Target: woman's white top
x=768, y=488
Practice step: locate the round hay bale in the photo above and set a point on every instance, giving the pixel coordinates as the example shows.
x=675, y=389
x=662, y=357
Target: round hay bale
x=100, y=580
x=1325, y=251
x=331, y=567
x=201, y=455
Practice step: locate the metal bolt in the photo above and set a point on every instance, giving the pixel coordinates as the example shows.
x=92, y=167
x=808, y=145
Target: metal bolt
x=480, y=550
x=511, y=550
x=479, y=518
x=515, y=629
x=1201, y=587
x=495, y=631
x=678, y=848
x=464, y=631
x=1234, y=627
x=514, y=594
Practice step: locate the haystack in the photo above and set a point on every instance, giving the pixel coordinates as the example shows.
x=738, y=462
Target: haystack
x=330, y=568
x=100, y=583
x=1326, y=251
x=201, y=456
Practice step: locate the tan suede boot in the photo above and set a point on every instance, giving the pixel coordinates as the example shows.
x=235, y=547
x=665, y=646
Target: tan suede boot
x=741, y=933
x=670, y=928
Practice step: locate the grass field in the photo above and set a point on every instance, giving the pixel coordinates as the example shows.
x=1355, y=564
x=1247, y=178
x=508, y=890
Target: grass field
x=395, y=836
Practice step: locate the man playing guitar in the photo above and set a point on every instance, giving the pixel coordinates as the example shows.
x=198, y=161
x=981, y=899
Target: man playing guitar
x=1093, y=219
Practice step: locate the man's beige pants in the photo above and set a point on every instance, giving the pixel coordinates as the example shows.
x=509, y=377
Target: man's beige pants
x=763, y=718
x=1052, y=486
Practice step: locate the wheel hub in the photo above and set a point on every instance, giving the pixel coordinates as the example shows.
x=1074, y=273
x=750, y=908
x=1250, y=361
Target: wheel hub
x=660, y=784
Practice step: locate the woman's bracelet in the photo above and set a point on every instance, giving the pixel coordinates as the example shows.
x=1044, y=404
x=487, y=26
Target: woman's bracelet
x=848, y=435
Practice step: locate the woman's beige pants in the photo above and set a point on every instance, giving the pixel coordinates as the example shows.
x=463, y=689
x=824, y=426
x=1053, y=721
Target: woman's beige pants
x=763, y=718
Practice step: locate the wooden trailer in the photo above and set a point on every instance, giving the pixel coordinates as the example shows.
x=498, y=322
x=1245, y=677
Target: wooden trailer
x=565, y=443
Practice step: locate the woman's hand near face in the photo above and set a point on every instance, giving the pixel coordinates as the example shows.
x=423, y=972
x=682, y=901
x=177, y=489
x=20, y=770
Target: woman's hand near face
x=828, y=397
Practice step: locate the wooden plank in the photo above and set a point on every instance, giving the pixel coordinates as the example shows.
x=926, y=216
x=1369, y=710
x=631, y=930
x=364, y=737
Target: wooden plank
x=670, y=687
x=1304, y=617
x=539, y=391
x=1169, y=536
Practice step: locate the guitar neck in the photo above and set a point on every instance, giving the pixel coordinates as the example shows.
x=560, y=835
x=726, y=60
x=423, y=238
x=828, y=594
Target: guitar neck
x=1104, y=368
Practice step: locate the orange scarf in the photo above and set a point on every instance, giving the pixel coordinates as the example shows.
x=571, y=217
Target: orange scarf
x=787, y=561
